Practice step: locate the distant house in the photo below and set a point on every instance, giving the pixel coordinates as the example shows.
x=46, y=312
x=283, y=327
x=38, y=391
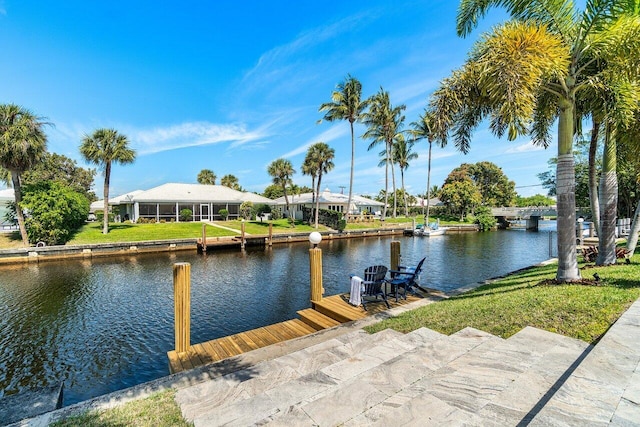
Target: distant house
x=166, y=201
x=331, y=201
x=434, y=201
x=6, y=197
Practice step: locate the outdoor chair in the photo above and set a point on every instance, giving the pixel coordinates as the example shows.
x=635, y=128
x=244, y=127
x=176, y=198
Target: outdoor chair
x=374, y=279
x=405, y=279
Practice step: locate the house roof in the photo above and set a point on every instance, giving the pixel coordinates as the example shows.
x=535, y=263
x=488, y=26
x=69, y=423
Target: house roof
x=328, y=197
x=175, y=193
x=99, y=204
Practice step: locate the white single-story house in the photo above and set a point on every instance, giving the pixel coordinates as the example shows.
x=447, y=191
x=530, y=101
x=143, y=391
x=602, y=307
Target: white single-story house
x=434, y=201
x=6, y=196
x=166, y=201
x=331, y=201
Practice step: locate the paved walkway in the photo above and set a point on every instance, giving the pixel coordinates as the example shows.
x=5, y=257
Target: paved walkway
x=213, y=224
x=344, y=376
x=425, y=378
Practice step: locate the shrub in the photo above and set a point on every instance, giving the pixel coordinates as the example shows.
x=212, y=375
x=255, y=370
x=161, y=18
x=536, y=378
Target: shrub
x=246, y=210
x=100, y=216
x=276, y=213
x=186, y=215
x=484, y=219
x=224, y=214
x=55, y=211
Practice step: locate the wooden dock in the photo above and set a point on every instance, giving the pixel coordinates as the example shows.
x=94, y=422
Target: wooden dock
x=212, y=243
x=331, y=311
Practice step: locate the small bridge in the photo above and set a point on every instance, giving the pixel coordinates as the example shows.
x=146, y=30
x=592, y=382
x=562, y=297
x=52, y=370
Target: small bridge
x=532, y=214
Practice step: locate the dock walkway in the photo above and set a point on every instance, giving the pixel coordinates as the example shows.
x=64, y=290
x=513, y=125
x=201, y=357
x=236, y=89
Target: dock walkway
x=331, y=311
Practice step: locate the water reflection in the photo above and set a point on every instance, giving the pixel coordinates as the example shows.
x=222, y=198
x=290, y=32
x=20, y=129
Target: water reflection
x=105, y=324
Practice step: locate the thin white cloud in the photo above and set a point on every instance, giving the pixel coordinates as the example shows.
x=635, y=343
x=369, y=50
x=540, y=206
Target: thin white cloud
x=327, y=136
x=271, y=64
x=524, y=148
x=165, y=138
x=190, y=134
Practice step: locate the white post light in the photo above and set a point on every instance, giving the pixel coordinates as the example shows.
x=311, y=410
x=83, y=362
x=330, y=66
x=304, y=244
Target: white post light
x=315, y=238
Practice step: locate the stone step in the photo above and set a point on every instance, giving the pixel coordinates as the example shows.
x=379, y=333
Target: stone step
x=552, y=358
x=321, y=384
x=334, y=386
x=605, y=388
x=246, y=383
x=489, y=385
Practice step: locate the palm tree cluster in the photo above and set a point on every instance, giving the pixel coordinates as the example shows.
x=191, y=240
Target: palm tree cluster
x=551, y=62
x=384, y=126
x=23, y=146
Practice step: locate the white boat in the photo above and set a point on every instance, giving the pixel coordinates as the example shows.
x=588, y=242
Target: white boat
x=429, y=230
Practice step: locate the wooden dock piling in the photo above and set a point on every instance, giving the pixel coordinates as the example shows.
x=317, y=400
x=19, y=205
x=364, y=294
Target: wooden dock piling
x=395, y=255
x=182, y=305
x=315, y=264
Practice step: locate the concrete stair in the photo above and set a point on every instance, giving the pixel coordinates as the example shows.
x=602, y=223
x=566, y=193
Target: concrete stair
x=389, y=378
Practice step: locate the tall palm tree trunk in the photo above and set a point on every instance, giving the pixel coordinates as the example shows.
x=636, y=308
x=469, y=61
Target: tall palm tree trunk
x=17, y=194
x=608, y=202
x=393, y=185
x=286, y=201
x=565, y=186
x=353, y=156
x=426, y=218
x=593, y=176
x=318, y=198
x=404, y=193
x=105, y=219
x=386, y=187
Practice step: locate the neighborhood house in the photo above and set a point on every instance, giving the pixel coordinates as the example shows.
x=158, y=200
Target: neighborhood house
x=166, y=201
x=331, y=201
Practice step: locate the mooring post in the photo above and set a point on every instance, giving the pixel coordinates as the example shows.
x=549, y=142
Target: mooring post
x=395, y=255
x=315, y=267
x=204, y=237
x=182, y=305
x=270, y=234
x=242, y=234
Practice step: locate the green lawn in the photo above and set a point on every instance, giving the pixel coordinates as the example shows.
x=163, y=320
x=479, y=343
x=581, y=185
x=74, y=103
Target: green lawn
x=279, y=226
x=10, y=240
x=530, y=298
x=159, y=409
x=128, y=232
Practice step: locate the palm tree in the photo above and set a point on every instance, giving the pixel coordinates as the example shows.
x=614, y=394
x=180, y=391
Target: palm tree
x=402, y=155
x=231, y=181
x=424, y=128
x=103, y=148
x=320, y=157
x=528, y=72
x=384, y=123
x=22, y=144
x=207, y=177
x=347, y=104
x=309, y=167
x=281, y=170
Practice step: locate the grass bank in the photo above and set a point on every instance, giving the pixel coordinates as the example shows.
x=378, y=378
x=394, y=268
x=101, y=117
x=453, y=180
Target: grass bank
x=531, y=298
x=159, y=409
x=129, y=232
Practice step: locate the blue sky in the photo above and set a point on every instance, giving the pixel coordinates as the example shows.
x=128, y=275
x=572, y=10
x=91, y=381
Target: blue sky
x=231, y=86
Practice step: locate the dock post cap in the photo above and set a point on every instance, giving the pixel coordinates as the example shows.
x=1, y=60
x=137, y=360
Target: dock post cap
x=315, y=238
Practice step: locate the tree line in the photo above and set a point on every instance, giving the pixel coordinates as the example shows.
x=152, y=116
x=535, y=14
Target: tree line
x=51, y=188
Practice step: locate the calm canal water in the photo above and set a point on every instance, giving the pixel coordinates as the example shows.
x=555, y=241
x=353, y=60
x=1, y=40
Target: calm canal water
x=106, y=324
